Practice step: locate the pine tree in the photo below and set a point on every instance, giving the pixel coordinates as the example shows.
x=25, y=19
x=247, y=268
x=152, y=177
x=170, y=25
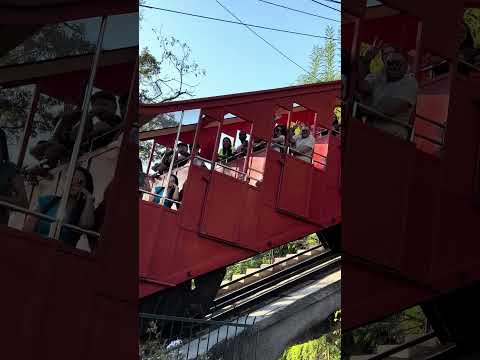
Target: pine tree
x=323, y=60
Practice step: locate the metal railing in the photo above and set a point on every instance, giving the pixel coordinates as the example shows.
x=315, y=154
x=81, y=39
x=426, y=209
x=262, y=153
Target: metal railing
x=180, y=338
x=51, y=219
x=158, y=196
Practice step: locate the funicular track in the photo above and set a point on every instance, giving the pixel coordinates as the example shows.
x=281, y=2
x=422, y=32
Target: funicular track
x=249, y=296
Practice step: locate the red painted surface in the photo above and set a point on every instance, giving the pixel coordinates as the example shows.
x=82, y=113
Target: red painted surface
x=409, y=228
x=222, y=219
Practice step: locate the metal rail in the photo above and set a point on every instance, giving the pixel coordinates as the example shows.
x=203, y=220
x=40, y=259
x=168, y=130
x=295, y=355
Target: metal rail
x=269, y=287
x=407, y=345
x=269, y=266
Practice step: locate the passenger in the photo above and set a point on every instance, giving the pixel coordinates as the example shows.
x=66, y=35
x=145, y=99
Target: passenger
x=304, y=144
x=172, y=192
x=226, y=152
x=12, y=186
x=100, y=212
x=164, y=164
x=278, y=140
x=243, y=147
x=80, y=210
x=394, y=95
x=101, y=119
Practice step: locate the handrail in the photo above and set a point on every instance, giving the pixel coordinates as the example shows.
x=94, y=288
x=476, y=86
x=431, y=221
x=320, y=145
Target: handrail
x=432, y=66
x=376, y=112
x=469, y=65
x=192, y=320
x=46, y=217
x=436, y=142
x=229, y=168
x=115, y=129
x=157, y=195
x=430, y=121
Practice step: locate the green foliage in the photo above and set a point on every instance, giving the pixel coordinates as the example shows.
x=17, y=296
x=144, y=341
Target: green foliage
x=266, y=257
x=49, y=42
x=325, y=347
x=323, y=61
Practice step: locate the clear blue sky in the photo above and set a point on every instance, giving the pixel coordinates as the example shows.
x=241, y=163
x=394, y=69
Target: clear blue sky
x=235, y=59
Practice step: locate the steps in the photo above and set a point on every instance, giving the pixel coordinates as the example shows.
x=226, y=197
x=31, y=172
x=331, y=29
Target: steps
x=254, y=274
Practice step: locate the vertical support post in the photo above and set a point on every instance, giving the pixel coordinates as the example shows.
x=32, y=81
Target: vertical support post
x=217, y=142
x=416, y=68
x=197, y=135
x=287, y=142
x=55, y=228
x=150, y=159
x=27, y=131
x=175, y=148
x=249, y=152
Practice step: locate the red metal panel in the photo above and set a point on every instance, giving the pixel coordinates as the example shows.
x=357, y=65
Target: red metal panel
x=25, y=268
x=375, y=189
x=224, y=206
x=271, y=180
x=295, y=187
x=260, y=113
x=248, y=220
x=354, y=7
x=369, y=295
x=322, y=103
x=318, y=211
x=113, y=329
x=70, y=301
x=158, y=240
x=195, y=255
x=422, y=217
x=456, y=249
x=194, y=195
x=462, y=137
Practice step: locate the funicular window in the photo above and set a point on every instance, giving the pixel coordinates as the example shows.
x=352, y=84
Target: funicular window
x=48, y=42
x=167, y=155
x=70, y=139
x=307, y=137
x=386, y=95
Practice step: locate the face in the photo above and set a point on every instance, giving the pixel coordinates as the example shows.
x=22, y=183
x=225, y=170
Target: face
x=226, y=143
x=171, y=182
x=182, y=149
x=78, y=183
x=396, y=66
x=242, y=136
x=386, y=51
x=104, y=105
x=305, y=132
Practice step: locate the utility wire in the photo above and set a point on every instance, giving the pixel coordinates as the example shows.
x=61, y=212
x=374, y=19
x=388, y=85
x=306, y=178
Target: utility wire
x=319, y=3
x=299, y=11
x=334, y=1
x=238, y=23
x=269, y=43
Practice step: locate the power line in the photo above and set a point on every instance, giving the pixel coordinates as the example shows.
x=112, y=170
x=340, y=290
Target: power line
x=319, y=3
x=299, y=11
x=334, y=1
x=238, y=23
x=269, y=43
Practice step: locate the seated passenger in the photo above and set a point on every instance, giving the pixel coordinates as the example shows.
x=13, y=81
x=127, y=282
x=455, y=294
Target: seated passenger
x=304, y=144
x=393, y=94
x=243, y=147
x=226, y=152
x=80, y=210
x=172, y=192
x=278, y=140
x=12, y=186
x=102, y=119
x=164, y=164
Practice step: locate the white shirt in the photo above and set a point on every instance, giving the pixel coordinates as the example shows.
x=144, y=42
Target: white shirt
x=309, y=142
x=404, y=89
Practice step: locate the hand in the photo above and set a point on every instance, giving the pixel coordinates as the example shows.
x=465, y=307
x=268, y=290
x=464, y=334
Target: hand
x=373, y=50
x=84, y=193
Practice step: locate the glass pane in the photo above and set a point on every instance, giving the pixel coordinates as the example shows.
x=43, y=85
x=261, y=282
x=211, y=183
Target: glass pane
x=54, y=41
